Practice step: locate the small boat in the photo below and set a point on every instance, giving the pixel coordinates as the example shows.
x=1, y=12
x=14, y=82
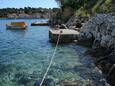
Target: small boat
x=40, y=24
x=16, y=25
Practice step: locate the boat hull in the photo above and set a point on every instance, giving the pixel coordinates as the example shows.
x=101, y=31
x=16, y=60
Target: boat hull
x=16, y=27
x=39, y=24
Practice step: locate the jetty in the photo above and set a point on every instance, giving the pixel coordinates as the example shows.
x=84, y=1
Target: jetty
x=66, y=35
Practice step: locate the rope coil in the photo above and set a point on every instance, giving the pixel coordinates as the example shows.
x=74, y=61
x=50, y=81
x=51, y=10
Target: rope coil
x=51, y=60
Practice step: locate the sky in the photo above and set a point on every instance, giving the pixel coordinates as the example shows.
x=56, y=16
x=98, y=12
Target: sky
x=27, y=3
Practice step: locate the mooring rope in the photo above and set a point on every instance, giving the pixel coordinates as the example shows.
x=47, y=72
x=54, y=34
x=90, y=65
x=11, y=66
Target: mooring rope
x=51, y=60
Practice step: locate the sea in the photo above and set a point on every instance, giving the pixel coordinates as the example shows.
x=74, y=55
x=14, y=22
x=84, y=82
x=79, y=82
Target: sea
x=26, y=54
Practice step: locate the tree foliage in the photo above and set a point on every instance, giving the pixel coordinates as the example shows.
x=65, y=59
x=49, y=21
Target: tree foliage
x=89, y=6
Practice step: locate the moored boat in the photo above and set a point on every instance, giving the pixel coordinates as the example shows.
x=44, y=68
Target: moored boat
x=40, y=24
x=16, y=25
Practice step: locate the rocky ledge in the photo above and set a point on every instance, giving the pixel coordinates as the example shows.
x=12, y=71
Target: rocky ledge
x=99, y=34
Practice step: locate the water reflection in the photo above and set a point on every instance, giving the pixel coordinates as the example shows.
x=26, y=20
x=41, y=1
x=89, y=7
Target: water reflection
x=17, y=32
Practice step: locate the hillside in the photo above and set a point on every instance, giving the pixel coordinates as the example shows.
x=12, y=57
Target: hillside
x=88, y=7
x=98, y=6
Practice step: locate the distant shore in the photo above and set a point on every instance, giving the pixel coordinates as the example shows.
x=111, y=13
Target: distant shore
x=24, y=18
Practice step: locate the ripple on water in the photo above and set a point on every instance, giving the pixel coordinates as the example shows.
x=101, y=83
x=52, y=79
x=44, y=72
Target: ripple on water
x=25, y=55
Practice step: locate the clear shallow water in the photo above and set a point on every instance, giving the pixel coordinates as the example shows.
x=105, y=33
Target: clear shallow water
x=24, y=57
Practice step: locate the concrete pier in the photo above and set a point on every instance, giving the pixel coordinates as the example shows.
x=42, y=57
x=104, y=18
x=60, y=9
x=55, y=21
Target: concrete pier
x=66, y=35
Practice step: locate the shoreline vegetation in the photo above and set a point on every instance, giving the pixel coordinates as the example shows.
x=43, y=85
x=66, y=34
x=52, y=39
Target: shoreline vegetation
x=26, y=13
x=96, y=23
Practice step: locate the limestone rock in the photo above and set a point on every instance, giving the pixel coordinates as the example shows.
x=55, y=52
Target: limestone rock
x=76, y=22
x=102, y=28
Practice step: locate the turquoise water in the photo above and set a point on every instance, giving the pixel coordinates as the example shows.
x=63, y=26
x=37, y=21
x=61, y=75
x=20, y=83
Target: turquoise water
x=25, y=55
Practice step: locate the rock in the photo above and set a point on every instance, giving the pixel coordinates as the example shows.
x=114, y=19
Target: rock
x=72, y=27
x=98, y=52
x=70, y=83
x=112, y=57
x=99, y=32
x=25, y=79
x=76, y=22
x=86, y=39
x=111, y=76
x=37, y=83
x=85, y=42
x=113, y=33
x=78, y=25
x=102, y=28
x=104, y=66
x=47, y=82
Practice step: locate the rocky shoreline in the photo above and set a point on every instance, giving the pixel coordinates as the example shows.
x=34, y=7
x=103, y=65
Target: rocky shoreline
x=99, y=34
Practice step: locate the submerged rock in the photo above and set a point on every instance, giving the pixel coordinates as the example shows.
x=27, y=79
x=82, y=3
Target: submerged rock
x=24, y=79
x=47, y=82
x=98, y=51
x=81, y=83
x=70, y=83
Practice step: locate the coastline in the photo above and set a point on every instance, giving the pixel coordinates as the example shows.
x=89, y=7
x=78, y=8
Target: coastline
x=98, y=33
x=24, y=18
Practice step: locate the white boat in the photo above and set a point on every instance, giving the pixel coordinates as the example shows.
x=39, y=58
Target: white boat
x=40, y=24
